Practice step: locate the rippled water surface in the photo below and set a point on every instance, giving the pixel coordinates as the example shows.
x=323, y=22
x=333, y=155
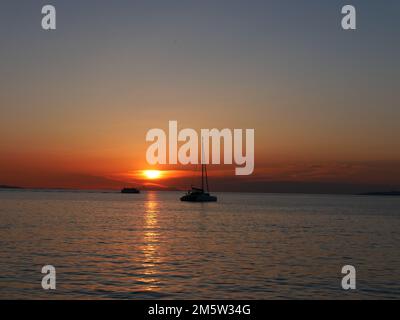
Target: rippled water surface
x=246, y=246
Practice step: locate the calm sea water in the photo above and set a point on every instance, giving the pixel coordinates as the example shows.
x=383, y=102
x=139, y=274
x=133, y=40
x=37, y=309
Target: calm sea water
x=246, y=246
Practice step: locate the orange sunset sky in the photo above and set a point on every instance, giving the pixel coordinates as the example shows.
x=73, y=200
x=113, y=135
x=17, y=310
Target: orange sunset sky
x=76, y=103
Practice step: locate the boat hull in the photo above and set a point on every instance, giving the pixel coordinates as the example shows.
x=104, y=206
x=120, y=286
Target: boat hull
x=198, y=198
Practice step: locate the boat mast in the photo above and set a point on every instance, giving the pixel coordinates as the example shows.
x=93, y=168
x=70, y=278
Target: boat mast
x=202, y=177
x=202, y=164
x=205, y=171
x=203, y=168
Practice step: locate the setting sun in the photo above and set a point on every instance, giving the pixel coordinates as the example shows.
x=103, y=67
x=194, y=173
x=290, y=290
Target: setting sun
x=152, y=174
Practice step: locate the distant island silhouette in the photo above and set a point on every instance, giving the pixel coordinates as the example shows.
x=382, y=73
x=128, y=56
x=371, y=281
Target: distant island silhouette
x=9, y=187
x=294, y=190
x=389, y=193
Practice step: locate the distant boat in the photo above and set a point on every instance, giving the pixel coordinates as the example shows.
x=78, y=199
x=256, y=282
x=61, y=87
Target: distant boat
x=200, y=194
x=130, y=190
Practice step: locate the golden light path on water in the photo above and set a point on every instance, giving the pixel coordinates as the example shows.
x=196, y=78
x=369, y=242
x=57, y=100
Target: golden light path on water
x=151, y=244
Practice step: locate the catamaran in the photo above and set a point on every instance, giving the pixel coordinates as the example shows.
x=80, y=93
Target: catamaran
x=200, y=194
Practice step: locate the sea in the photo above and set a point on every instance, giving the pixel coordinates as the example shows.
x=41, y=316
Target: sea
x=107, y=245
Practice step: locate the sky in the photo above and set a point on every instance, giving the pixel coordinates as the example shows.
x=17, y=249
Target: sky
x=76, y=103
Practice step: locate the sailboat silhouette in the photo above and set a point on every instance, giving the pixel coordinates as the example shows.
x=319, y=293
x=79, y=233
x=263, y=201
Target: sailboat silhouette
x=200, y=194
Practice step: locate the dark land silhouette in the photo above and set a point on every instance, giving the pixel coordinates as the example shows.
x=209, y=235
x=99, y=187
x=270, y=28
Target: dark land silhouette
x=389, y=193
x=9, y=187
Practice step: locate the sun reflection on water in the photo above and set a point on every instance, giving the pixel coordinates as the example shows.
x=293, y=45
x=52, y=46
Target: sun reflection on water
x=151, y=244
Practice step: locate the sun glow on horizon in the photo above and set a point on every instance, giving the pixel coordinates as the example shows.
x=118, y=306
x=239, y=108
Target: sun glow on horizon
x=152, y=174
